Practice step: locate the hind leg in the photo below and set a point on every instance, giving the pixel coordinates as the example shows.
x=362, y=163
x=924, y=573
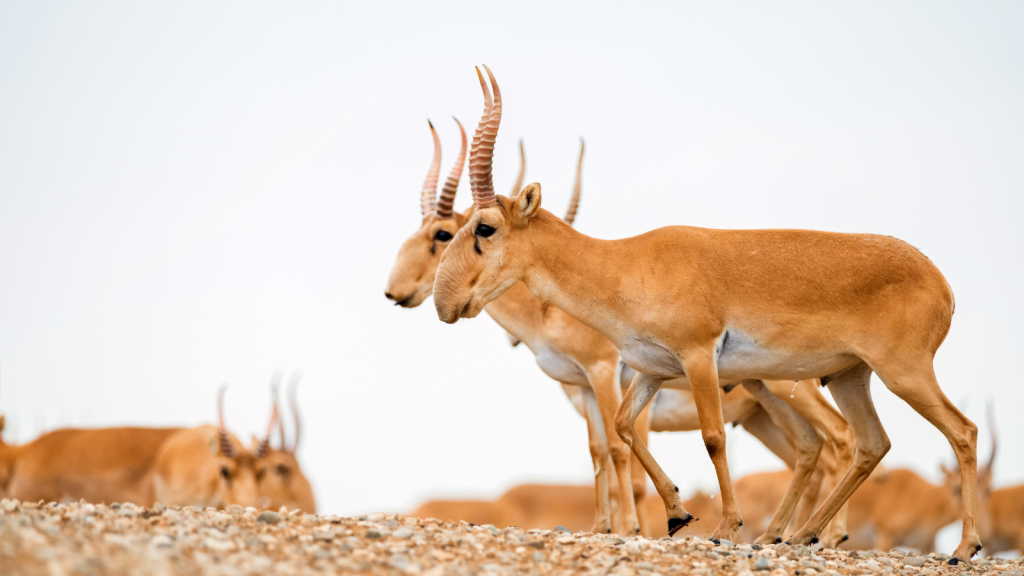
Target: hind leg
x=609, y=396
x=636, y=471
x=852, y=393
x=808, y=445
x=915, y=383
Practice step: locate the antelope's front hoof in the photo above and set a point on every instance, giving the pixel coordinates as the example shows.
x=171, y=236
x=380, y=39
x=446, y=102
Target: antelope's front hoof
x=803, y=538
x=677, y=524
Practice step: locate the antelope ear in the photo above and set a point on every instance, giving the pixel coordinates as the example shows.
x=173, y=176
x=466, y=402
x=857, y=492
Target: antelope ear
x=255, y=442
x=528, y=202
x=3, y=422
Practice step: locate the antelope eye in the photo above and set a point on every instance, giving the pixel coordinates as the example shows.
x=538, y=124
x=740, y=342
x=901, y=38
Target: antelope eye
x=442, y=236
x=225, y=473
x=283, y=470
x=484, y=230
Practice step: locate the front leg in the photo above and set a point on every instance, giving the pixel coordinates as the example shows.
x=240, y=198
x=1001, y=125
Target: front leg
x=639, y=394
x=599, y=454
x=700, y=366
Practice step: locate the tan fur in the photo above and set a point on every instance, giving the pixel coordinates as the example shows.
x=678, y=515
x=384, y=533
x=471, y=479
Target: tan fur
x=282, y=483
x=100, y=465
x=1004, y=529
x=796, y=304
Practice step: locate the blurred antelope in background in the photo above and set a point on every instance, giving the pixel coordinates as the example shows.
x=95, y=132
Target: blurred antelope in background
x=725, y=306
x=280, y=478
x=203, y=466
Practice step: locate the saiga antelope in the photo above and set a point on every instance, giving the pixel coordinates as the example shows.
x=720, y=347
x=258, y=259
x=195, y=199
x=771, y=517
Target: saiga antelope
x=724, y=306
x=576, y=356
x=279, y=476
x=204, y=466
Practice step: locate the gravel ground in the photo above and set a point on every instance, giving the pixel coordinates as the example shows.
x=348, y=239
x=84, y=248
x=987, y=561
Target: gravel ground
x=86, y=539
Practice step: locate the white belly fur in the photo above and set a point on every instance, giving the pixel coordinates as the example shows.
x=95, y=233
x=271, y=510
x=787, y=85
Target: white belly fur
x=561, y=367
x=739, y=357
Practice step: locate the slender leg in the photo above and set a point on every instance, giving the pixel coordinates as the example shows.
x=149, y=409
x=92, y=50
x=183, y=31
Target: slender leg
x=806, y=398
x=639, y=394
x=636, y=471
x=852, y=393
x=915, y=383
x=699, y=365
x=599, y=454
x=808, y=446
x=608, y=397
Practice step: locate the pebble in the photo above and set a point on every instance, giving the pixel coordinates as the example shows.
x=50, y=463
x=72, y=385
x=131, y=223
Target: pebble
x=46, y=540
x=268, y=517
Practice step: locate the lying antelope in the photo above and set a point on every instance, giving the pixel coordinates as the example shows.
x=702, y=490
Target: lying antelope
x=279, y=476
x=725, y=306
x=203, y=466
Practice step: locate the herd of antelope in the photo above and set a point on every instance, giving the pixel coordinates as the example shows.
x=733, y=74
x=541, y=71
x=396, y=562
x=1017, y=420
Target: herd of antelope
x=203, y=466
x=678, y=329
x=686, y=328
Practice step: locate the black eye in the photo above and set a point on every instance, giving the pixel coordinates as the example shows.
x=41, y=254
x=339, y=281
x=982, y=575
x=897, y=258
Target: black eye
x=442, y=236
x=283, y=470
x=484, y=230
x=225, y=472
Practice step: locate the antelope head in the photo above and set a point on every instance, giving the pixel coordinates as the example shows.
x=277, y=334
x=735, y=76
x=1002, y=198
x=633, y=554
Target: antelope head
x=412, y=276
x=281, y=481
x=488, y=255
x=235, y=466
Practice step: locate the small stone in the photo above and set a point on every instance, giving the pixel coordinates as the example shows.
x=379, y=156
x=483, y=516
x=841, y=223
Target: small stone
x=323, y=535
x=538, y=556
x=403, y=532
x=268, y=517
x=727, y=543
x=644, y=566
x=561, y=528
x=161, y=541
x=375, y=517
x=914, y=561
x=371, y=533
x=535, y=543
x=763, y=564
x=783, y=549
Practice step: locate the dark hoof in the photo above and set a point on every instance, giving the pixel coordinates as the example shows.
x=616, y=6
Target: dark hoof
x=814, y=540
x=954, y=561
x=715, y=541
x=845, y=537
x=778, y=539
x=977, y=548
x=677, y=524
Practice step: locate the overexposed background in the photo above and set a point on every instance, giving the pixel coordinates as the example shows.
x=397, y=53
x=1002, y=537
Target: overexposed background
x=200, y=193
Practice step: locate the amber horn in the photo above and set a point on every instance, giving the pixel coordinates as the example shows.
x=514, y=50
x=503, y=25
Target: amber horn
x=474, y=149
x=226, y=447
x=263, y=448
x=574, y=202
x=990, y=413
x=293, y=385
x=518, y=186
x=480, y=163
x=446, y=202
x=430, y=184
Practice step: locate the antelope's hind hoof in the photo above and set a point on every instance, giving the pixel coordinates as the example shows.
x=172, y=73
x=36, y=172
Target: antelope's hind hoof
x=677, y=524
x=954, y=561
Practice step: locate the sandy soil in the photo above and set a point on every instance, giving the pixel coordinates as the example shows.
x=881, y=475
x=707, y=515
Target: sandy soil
x=86, y=539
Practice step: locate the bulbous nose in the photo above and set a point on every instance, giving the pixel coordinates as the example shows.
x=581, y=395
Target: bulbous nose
x=388, y=296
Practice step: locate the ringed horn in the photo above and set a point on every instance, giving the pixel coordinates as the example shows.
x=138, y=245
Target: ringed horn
x=574, y=202
x=446, y=202
x=263, y=448
x=226, y=447
x=482, y=152
x=430, y=184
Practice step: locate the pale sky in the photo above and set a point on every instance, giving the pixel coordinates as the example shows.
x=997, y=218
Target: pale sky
x=202, y=193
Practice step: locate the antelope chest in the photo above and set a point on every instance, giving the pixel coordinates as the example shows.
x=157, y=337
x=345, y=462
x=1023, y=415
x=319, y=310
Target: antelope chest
x=561, y=367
